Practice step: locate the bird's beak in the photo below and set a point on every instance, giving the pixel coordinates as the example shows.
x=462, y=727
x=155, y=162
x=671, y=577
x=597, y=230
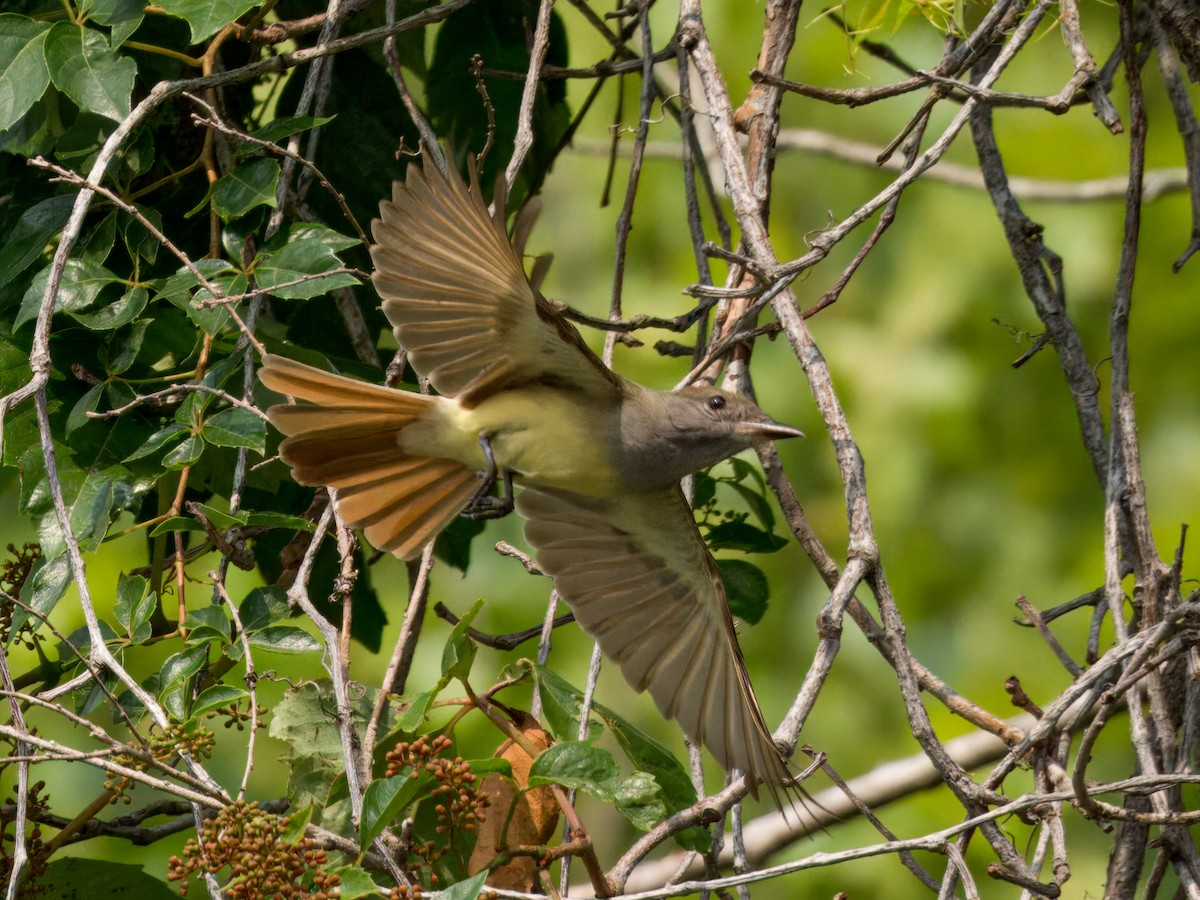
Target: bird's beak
x=766, y=430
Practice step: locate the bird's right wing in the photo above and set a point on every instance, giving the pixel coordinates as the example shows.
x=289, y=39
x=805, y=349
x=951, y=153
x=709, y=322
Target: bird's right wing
x=456, y=293
x=640, y=580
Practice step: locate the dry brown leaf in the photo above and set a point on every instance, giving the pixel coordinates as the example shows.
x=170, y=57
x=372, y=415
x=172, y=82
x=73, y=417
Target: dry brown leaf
x=533, y=821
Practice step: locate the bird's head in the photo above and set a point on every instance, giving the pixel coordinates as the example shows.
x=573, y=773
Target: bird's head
x=705, y=411
x=673, y=434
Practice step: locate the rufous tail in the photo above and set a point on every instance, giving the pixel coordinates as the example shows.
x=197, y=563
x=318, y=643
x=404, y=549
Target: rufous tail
x=347, y=436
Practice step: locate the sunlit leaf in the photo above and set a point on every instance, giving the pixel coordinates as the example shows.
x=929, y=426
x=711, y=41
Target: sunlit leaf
x=42, y=590
x=81, y=284
x=84, y=67
x=386, y=798
x=24, y=75
x=217, y=697
x=284, y=639
x=573, y=764
x=291, y=272
x=206, y=17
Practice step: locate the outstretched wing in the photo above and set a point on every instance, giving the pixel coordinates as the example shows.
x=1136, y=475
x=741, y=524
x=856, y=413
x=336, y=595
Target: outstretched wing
x=456, y=293
x=641, y=581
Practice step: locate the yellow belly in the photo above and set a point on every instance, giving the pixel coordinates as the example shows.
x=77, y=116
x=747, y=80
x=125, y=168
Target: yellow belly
x=542, y=435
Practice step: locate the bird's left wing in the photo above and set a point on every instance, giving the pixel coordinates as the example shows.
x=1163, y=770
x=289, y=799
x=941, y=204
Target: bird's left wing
x=456, y=293
x=640, y=580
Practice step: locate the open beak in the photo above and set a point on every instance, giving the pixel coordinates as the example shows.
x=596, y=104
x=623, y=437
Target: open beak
x=767, y=430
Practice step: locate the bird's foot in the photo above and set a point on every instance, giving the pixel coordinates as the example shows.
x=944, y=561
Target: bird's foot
x=488, y=507
x=483, y=505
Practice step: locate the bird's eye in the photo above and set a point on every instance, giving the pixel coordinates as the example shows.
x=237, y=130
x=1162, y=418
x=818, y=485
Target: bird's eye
x=716, y=402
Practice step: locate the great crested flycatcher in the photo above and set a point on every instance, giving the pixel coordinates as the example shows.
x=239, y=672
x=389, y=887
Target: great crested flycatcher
x=598, y=458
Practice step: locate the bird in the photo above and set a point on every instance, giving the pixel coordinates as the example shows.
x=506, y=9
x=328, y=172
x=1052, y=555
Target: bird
x=597, y=458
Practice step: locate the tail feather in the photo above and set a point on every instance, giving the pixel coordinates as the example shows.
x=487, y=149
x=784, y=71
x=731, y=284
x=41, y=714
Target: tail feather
x=326, y=389
x=349, y=439
x=402, y=515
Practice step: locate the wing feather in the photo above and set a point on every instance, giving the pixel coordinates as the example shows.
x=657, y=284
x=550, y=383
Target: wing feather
x=640, y=580
x=457, y=296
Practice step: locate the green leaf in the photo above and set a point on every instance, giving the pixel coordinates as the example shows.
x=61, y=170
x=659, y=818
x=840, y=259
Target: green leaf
x=185, y=454
x=81, y=284
x=638, y=800
x=648, y=755
x=738, y=535
x=217, y=697
x=14, y=372
x=263, y=606
x=562, y=703
x=249, y=185
x=181, y=666
x=128, y=347
x=23, y=72
x=206, y=17
x=758, y=503
x=75, y=878
x=354, y=883
x=704, y=489
x=334, y=240
x=672, y=780
x=219, y=517
x=297, y=826
x=212, y=318
x=236, y=427
x=459, y=652
x=138, y=239
x=283, y=127
x=135, y=604
x=80, y=641
x=179, y=286
x=208, y=624
x=386, y=798
x=84, y=67
x=116, y=314
x=88, y=497
x=746, y=589
x=284, y=639
x=39, y=223
x=123, y=16
x=574, y=764
x=302, y=259
x=98, y=242
x=414, y=713
x=87, y=403
x=304, y=721
x=175, y=700
x=42, y=590
x=158, y=440
x=453, y=545
x=277, y=520
x=465, y=890
x=577, y=764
